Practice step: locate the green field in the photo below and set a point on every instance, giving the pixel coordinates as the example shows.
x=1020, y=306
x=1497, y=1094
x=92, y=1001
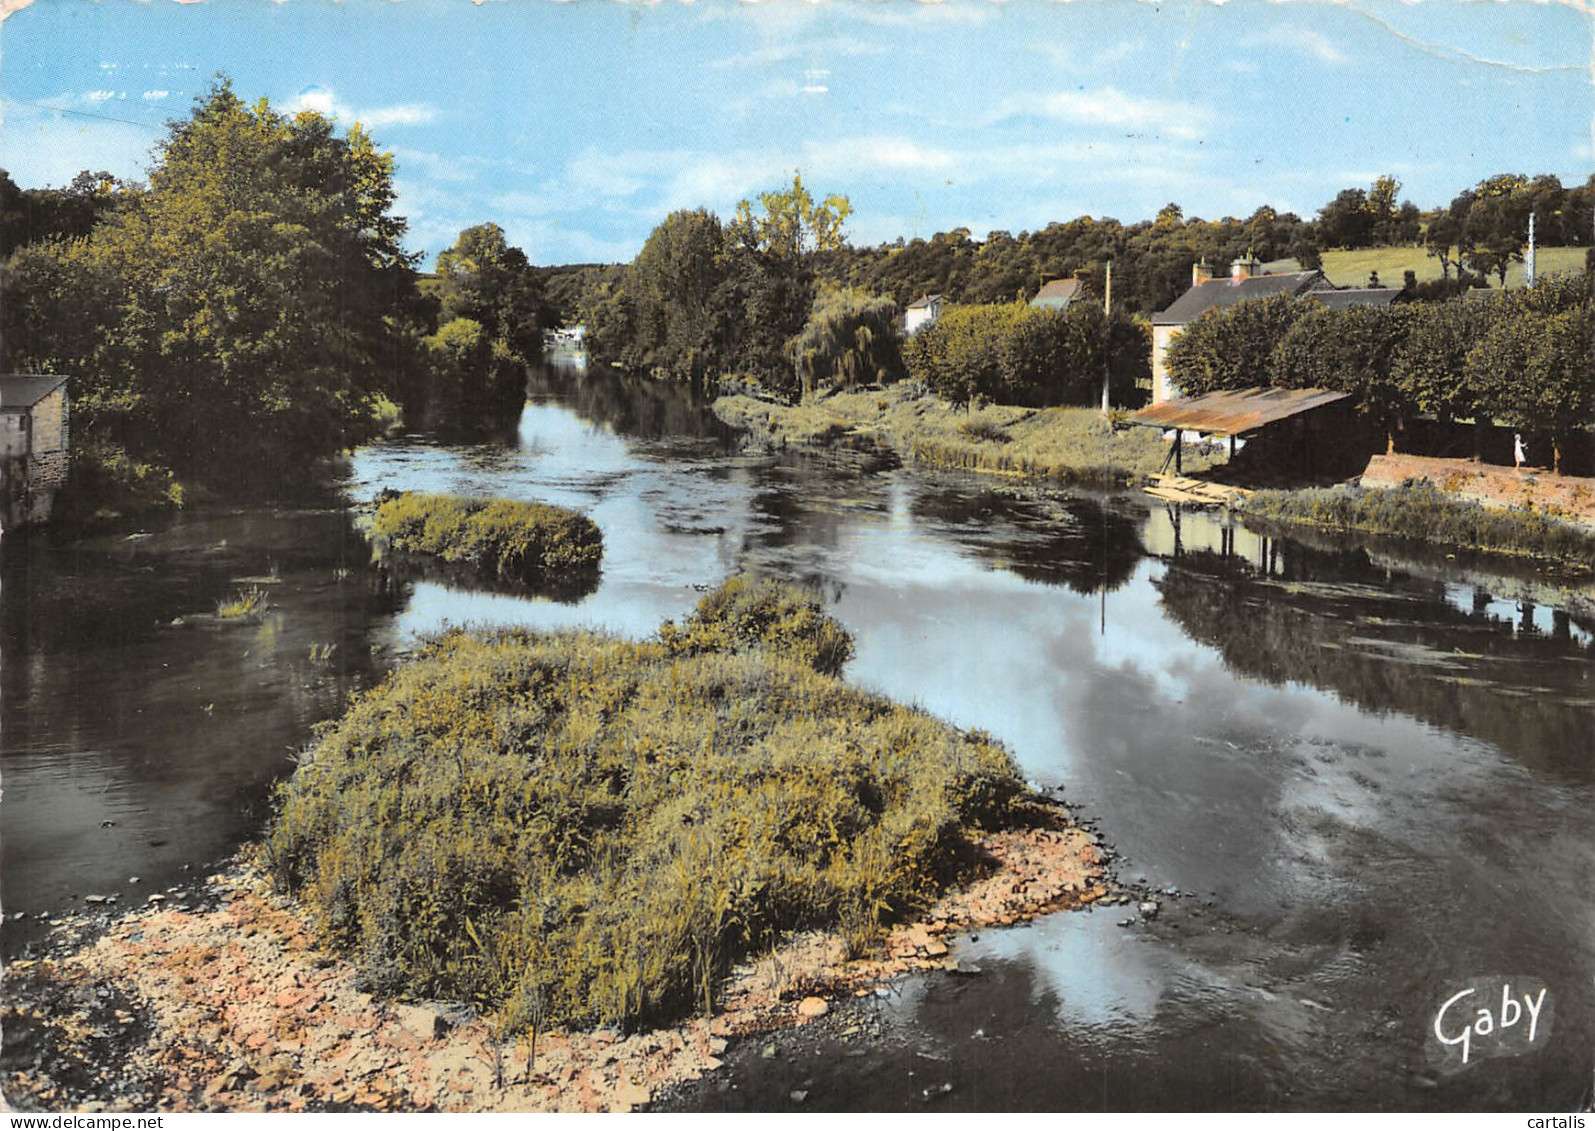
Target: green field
x=1351, y=268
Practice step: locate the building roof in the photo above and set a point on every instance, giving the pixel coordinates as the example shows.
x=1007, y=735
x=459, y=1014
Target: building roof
x=1058, y=293
x=924, y=301
x=1234, y=411
x=1356, y=296
x=24, y=391
x=1227, y=292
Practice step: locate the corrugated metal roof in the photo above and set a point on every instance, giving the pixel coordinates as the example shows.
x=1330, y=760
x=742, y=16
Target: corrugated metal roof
x=923, y=301
x=24, y=391
x=1234, y=411
x=1227, y=292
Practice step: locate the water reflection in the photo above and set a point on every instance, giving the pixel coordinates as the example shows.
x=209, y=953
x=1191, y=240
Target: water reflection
x=1393, y=642
x=141, y=730
x=1379, y=777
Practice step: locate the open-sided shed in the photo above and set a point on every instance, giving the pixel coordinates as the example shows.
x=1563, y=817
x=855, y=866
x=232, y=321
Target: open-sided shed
x=1237, y=412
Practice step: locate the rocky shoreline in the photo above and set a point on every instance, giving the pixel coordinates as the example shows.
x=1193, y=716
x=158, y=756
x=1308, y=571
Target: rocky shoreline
x=232, y=1007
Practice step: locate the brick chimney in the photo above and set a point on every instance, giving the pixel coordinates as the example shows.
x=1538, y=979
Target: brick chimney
x=1200, y=273
x=1243, y=268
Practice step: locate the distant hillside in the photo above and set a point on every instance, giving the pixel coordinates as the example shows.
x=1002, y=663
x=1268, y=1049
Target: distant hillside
x=1351, y=268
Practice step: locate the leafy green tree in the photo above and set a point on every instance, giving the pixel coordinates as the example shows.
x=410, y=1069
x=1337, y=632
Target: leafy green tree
x=488, y=281
x=1346, y=221
x=1349, y=351
x=1531, y=369
x=959, y=356
x=792, y=225
x=242, y=306
x=1430, y=361
x=850, y=339
x=1232, y=347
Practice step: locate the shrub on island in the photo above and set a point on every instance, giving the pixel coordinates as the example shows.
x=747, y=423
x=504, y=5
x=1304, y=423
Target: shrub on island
x=502, y=537
x=585, y=830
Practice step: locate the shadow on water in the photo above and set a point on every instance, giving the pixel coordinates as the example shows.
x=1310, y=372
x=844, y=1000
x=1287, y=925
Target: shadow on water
x=141, y=728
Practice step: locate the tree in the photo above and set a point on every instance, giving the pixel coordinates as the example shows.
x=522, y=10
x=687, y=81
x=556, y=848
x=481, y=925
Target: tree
x=1232, y=347
x=1495, y=234
x=850, y=339
x=1444, y=232
x=1430, y=361
x=1349, y=351
x=244, y=316
x=1347, y=221
x=1531, y=370
x=792, y=226
x=487, y=280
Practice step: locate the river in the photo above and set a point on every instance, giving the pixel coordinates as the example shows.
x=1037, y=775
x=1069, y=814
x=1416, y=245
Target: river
x=1355, y=787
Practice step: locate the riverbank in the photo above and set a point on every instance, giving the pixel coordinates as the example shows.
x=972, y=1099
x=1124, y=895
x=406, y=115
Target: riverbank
x=1071, y=445
x=232, y=1007
x=1421, y=511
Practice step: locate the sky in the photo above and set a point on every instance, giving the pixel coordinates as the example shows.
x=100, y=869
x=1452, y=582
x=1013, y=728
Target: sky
x=578, y=126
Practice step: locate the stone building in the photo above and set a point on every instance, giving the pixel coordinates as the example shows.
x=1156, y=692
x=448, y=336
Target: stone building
x=35, y=444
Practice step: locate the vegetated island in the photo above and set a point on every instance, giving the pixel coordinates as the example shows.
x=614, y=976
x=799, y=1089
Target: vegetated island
x=502, y=538
x=558, y=872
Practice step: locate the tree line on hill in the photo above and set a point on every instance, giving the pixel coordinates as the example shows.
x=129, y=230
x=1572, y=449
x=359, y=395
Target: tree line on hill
x=1519, y=357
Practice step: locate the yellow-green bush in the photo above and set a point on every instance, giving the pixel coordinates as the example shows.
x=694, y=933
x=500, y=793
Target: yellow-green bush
x=522, y=541
x=744, y=614
x=579, y=829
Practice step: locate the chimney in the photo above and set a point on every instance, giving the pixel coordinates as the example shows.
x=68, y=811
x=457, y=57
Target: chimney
x=1200, y=273
x=1243, y=268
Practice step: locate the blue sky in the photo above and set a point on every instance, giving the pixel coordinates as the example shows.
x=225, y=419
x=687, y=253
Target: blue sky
x=578, y=126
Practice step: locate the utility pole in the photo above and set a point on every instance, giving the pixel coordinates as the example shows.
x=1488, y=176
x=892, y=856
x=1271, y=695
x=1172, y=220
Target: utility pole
x=1528, y=267
x=1107, y=336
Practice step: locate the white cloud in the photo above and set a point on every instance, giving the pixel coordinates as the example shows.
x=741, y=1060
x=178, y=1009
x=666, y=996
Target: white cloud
x=95, y=97
x=432, y=165
x=321, y=100
x=1118, y=53
x=48, y=147
x=404, y=114
x=1110, y=107
x=156, y=95
x=1296, y=38
x=809, y=50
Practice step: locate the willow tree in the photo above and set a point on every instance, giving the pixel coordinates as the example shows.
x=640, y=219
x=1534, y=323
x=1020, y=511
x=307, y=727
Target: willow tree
x=850, y=339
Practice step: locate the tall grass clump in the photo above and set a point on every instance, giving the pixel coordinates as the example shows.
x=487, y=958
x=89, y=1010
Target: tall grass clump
x=244, y=603
x=1420, y=510
x=512, y=540
x=744, y=614
x=581, y=830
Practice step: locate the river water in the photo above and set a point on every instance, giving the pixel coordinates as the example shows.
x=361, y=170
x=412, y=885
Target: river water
x=1358, y=787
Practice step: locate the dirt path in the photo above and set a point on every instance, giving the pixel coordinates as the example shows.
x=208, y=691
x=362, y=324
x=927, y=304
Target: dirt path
x=1567, y=497
x=234, y=1008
